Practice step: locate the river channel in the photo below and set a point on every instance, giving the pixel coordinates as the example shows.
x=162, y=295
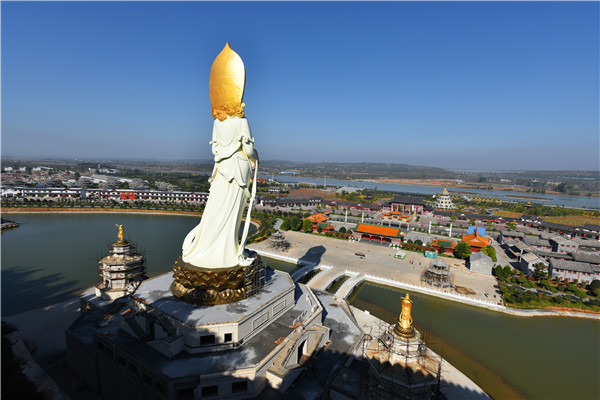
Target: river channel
x=545, y=199
x=53, y=257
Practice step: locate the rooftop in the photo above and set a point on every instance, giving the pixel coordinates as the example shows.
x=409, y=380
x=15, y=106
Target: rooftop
x=572, y=266
x=378, y=230
x=155, y=292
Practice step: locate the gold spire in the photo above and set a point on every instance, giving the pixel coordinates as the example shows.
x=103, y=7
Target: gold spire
x=226, y=84
x=404, y=326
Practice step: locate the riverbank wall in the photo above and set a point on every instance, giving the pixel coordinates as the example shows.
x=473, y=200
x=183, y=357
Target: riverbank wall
x=356, y=278
x=73, y=210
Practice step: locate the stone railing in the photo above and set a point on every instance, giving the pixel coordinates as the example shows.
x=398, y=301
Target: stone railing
x=350, y=284
x=435, y=292
x=299, y=273
x=332, y=279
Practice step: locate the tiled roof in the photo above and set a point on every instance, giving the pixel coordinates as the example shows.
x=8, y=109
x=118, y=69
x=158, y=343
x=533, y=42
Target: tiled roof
x=317, y=218
x=585, y=257
x=475, y=239
x=480, y=255
x=571, y=265
x=530, y=257
x=378, y=230
x=535, y=241
x=443, y=243
x=408, y=200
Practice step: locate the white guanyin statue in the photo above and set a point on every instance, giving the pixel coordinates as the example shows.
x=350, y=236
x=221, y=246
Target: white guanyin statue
x=214, y=242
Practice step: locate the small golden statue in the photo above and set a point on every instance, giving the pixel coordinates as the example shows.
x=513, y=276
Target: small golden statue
x=404, y=326
x=120, y=234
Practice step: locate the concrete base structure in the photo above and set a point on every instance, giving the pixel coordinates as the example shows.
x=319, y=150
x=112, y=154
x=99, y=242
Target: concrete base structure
x=154, y=346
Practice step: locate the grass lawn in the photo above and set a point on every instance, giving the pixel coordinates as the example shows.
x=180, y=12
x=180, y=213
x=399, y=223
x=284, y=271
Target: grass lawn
x=574, y=220
x=509, y=214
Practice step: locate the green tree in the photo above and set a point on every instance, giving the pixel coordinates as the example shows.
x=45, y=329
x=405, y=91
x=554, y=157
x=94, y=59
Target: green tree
x=490, y=251
x=507, y=271
x=453, y=218
x=286, y=225
x=342, y=230
x=462, y=250
x=307, y=226
x=595, y=284
x=540, y=272
x=512, y=226
x=498, y=271
x=295, y=222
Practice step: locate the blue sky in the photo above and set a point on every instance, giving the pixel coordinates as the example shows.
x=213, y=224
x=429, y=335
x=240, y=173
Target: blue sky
x=482, y=85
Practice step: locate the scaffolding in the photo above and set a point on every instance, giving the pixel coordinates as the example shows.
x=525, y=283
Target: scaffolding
x=393, y=368
x=278, y=242
x=438, y=274
x=123, y=270
x=254, y=277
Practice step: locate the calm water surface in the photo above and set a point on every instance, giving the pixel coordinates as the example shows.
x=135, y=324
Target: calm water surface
x=546, y=199
x=52, y=257
x=539, y=357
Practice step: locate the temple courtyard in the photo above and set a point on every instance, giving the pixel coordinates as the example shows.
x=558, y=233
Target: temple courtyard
x=378, y=261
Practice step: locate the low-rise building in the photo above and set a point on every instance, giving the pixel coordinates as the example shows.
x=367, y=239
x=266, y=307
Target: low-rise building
x=573, y=270
x=404, y=205
x=537, y=243
x=446, y=245
x=593, y=259
x=528, y=262
x=563, y=245
x=481, y=263
x=587, y=245
x=378, y=233
x=320, y=221
x=476, y=241
x=514, y=235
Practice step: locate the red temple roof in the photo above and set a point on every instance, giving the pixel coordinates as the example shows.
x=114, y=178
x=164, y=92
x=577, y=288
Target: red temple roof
x=378, y=230
x=476, y=240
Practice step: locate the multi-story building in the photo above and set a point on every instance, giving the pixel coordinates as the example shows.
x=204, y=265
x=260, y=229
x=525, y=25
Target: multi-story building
x=444, y=201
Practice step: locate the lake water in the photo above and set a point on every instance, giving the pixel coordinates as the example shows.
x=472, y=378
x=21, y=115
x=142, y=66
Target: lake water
x=507, y=356
x=548, y=199
x=52, y=257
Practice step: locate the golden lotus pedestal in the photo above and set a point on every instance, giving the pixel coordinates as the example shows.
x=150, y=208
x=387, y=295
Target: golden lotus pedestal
x=406, y=333
x=209, y=286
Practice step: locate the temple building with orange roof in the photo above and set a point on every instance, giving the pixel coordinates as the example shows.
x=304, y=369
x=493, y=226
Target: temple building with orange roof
x=476, y=241
x=319, y=220
x=378, y=233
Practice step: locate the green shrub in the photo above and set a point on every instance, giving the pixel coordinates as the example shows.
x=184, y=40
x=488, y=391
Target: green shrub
x=526, y=284
x=521, y=279
x=571, y=287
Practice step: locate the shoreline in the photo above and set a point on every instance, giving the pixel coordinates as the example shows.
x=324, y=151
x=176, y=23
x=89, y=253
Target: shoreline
x=451, y=183
x=75, y=210
x=430, y=291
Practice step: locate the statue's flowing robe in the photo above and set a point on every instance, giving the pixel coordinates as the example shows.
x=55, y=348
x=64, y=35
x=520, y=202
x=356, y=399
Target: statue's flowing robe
x=214, y=242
